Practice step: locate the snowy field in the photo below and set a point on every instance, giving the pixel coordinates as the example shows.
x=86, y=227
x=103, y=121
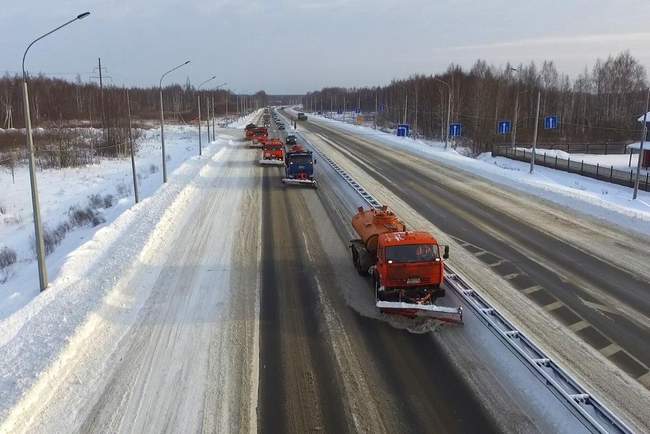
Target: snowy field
x=103, y=276
x=609, y=202
x=76, y=203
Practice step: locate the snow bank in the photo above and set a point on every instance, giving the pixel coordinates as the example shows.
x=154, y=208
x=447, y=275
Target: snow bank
x=106, y=188
x=32, y=338
x=245, y=120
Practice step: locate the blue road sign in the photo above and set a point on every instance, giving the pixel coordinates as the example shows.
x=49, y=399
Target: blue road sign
x=455, y=129
x=358, y=110
x=504, y=127
x=403, y=130
x=551, y=122
x=382, y=107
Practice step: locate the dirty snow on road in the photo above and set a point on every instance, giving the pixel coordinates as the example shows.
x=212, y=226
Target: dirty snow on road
x=159, y=330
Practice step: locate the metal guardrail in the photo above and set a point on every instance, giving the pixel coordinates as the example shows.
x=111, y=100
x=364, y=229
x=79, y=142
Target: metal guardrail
x=595, y=416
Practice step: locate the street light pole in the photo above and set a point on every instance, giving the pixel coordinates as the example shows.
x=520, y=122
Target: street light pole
x=36, y=209
x=198, y=97
x=645, y=132
x=162, y=119
x=532, y=156
x=135, y=178
x=448, y=108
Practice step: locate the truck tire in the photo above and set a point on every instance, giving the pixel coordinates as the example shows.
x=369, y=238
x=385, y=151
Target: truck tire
x=356, y=260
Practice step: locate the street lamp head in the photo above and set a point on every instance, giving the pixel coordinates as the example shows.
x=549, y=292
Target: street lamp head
x=82, y=16
x=186, y=62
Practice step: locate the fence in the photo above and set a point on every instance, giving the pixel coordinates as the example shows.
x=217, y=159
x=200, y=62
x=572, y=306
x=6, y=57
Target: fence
x=584, y=148
x=602, y=173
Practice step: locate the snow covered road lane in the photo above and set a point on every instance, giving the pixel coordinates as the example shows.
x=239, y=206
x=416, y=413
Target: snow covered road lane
x=186, y=361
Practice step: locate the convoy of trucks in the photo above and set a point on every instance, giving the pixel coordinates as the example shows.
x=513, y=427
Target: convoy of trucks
x=406, y=267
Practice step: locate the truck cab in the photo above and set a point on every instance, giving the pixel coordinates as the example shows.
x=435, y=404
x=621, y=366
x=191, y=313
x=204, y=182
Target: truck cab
x=302, y=116
x=409, y=262
x=299, y=167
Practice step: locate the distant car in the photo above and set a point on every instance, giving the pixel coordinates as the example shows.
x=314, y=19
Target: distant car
x=281, y=127
x=302, y=116
x=291, y=140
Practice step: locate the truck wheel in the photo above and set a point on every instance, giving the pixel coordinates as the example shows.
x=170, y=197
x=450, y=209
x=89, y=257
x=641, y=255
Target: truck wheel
x=355, y=260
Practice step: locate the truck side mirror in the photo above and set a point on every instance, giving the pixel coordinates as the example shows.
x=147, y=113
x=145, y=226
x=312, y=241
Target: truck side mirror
x=446, y=254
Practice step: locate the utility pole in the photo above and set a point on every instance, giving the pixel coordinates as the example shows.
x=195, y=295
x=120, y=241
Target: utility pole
x=135, y=178
x=532, y=156
x=207, y=119
x=214, y=137
x=515, y=120
x=107, y=137
x=415, y=124
x=406, y=104
x=643, y=136
x=376, y=107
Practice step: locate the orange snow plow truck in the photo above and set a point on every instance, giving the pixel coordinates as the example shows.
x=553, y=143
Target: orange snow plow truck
x=273, y=153
x=259, y=136
x=406, y=267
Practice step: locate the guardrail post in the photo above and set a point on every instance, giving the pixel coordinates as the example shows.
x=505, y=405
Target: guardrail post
x=597, y=167
x=544, y=158
x=605, y=148
x=556, y=161
x=611, y=173
x=568, y=164
x=646, y=180
x=631, y=181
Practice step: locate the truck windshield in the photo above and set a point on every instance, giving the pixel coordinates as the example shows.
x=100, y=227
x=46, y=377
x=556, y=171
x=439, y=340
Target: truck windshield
x=302, y=159
x=412, y=253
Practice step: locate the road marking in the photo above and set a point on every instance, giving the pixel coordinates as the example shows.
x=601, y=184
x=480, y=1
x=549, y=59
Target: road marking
x=531, y=289
x=610, y=350
x=481, y=253
x=577, y=326
x=599, y=307
x=496, y=264
x=644, y=379
x=552, y=306
x=511, y=276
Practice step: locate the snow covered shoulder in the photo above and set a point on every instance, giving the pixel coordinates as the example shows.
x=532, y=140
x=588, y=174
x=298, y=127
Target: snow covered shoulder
x=158, y=308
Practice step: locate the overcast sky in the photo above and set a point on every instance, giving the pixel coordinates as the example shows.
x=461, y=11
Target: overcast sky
x=292, y=46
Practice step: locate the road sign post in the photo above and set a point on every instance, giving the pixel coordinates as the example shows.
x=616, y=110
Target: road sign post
x=551, y=122
x=455, y=129
x=504, y=127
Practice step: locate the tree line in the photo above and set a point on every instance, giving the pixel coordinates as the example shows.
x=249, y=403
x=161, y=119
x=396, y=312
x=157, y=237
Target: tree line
x=61, y=104
x=600, y=105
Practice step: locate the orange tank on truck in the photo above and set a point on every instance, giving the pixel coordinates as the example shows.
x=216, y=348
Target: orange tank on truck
x=406, y=267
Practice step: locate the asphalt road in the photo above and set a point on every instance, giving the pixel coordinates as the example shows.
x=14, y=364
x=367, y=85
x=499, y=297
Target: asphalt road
x=505, y=243
x=328, y=366
x=323, y=366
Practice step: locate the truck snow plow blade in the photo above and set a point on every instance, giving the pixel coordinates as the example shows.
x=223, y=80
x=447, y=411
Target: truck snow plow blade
x=292, y=181
x=441, y=313
x=271, y=162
